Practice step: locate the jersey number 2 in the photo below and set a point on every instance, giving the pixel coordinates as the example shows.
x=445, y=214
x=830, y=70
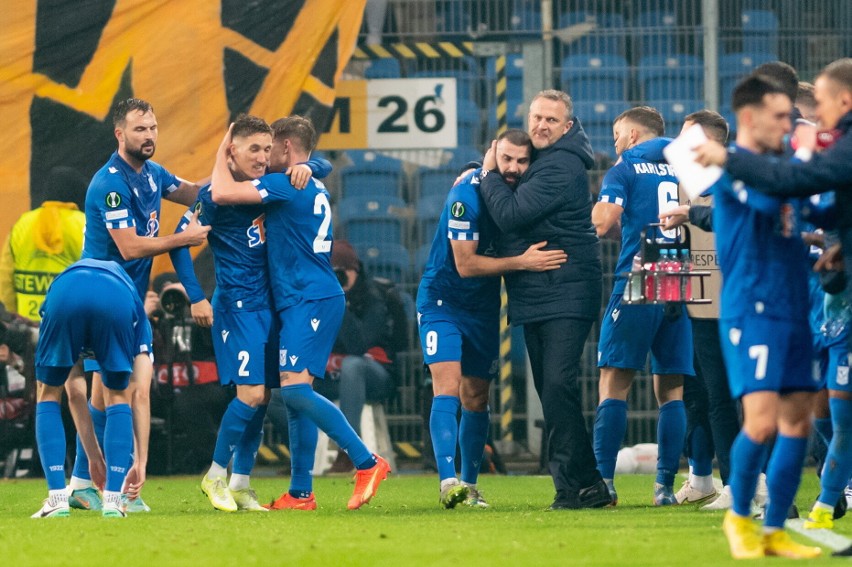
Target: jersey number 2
x=322, y=207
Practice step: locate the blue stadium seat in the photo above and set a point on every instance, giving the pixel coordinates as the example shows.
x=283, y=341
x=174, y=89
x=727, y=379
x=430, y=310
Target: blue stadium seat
x=385, y=260
x=607, y=38
x=468, y=121
x=656, y=33
x=372, y=174
x=597, y=119
x=671, y=77
x=373, y=220
x=526, y=17
x=462, y=155
x=593, y=77
x=427, y=214
x=760, y=31
x=674, y=111
x=436, y=181
x=735, y=66
x=383, y=69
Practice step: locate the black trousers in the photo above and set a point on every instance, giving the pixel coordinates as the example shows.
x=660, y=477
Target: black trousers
x=708, y=397
x=555, y=348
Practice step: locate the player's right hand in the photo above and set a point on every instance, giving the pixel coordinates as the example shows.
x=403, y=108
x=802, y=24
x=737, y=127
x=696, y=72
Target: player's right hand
x=674, y=217
x=537, y=260
x=97, y=471
x=830, y=260
x=195, y=233
x=299, y=174
x=202, y=313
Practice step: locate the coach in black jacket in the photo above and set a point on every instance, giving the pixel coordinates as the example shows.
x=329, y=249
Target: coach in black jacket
x=552, y=203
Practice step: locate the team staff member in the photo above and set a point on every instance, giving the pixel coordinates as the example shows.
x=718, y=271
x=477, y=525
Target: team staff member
x=552, y=203
x=458, y=306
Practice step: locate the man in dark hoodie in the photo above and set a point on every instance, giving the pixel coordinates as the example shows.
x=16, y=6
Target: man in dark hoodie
x=557, y=308
x=633, y=194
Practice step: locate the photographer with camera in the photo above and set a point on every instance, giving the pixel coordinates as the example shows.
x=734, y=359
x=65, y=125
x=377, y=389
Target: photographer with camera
x=185, y=391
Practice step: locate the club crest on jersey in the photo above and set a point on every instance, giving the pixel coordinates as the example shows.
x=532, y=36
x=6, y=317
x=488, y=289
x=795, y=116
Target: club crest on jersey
x=256, y=233
x=113, y=200
x=153, y=224
x=457, y=210
x=282, y=357
x=151, y=183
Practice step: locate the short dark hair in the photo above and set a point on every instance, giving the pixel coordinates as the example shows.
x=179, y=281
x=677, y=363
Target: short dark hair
x=558, y=96
x=751, y=90
x=296, y=128
x=805, y=94
x=645, y=116
x=247, y=125
x=714, y=124
x=516, y=137
x=840, y=71
x=128, y=105
x=783, y=74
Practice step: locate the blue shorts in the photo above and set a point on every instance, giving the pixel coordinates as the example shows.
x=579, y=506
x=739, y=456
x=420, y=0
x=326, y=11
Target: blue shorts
x=765, y=354
x=628, y=332
x=146, y=344
x=836, y=376
x=89, y=312
x=245, y=344
x=307, y=334
x=448, y=335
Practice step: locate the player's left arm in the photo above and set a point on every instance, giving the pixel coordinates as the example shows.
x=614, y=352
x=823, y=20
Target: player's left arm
x=143, y=372
x=75, y=387
x=469, y=264
x=186, y=192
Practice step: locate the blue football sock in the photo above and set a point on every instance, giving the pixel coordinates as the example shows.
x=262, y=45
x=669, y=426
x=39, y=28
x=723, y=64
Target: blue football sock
x=50, y=435
x=444, y=430
x=838, y=461
x=81, y=462
x=782, y=478
x=671, y=431
x=246, y=451
x=118, y=444
x=473, y=434
x=234, y=423
x=747, y=458
x=303, y=444
x=610, y=426
x=824, y=428
x=701, y=452
x=331, y=420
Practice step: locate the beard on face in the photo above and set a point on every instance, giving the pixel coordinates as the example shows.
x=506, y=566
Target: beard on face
x=143, y=152
x=511, y=179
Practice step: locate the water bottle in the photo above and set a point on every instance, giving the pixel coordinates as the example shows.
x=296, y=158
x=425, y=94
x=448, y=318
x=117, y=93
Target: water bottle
x=659, y=278
x=685, y=280
x=673, y=269
x=634, y=280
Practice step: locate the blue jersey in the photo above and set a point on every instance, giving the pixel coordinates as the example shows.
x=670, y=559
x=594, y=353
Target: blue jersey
x=238, y=241
x=299, y=247
x=118, y=197
x=464, y=218
x=762, y=256
x=643, y=184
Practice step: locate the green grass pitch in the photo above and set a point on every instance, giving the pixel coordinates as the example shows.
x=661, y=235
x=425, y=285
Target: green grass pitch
x=402, y=526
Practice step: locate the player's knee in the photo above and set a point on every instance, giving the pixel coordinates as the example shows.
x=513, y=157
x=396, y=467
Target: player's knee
x=251, y=395
x=760, y=431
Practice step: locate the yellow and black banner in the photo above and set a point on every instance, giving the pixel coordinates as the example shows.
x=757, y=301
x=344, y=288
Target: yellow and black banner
x=64, y=63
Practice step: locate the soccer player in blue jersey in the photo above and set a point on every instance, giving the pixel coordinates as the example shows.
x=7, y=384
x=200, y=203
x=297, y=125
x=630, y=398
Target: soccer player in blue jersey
x=241, y=315
x=122, y=225
x=309, y=303
x=458, y=314
x=91, y=307
x=764, y=330
x=634, y=192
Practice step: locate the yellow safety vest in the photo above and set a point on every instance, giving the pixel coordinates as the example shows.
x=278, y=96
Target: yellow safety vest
x=44, y=242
